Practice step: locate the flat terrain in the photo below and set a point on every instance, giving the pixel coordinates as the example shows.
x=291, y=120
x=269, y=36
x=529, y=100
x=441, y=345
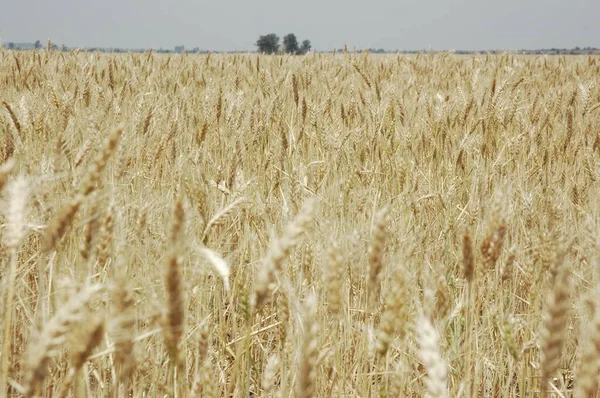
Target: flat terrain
x=325, y=225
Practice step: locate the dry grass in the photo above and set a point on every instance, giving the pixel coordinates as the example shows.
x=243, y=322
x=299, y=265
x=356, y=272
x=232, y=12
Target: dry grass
x=213, y=225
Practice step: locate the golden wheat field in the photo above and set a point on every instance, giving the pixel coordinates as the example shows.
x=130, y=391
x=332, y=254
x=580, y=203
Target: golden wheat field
x=281, y=226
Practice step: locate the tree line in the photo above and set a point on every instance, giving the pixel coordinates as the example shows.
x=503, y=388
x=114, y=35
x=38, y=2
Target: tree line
x=269, y=44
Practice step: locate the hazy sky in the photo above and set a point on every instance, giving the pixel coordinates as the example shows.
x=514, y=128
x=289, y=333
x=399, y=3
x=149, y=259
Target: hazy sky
x=236, y=24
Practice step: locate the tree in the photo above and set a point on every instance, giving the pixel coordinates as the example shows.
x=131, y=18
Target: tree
x=37, y=45
x=290, y=43
x=268, y=44
x=11, y=46
x=305, y=47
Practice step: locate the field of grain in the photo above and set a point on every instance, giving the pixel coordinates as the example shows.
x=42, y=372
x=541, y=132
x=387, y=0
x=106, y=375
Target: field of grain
x=318, y=226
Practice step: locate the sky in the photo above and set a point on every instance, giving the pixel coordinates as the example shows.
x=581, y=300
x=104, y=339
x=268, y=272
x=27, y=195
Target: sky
x=228, y=25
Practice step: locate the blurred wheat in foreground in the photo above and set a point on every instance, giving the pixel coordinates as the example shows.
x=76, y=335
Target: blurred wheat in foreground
x=317, y=226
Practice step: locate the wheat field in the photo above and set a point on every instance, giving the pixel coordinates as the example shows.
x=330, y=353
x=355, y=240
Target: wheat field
x=282, y=226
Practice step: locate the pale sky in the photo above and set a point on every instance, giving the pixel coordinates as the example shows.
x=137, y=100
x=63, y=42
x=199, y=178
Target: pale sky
x=236, y=24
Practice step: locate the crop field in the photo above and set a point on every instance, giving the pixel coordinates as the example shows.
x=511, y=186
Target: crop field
x=299, y=226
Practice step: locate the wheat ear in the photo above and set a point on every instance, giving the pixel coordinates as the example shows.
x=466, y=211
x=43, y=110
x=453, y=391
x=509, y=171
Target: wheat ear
x=174, y=319
x=305, y=384
x=468, y=258
x=15, y=217
x=88, y=185
x=5, y=171
x=203, y=384
x=93, y=337
x=395, y=313
x=334, y=279
x=278, y=251
x=555, y=323
x=270, y=375
x=429, y=353
x=220, y=216
x=60, y=224
x=122, y=332
x=54, y=333
x=589, y=366
x=376, y=249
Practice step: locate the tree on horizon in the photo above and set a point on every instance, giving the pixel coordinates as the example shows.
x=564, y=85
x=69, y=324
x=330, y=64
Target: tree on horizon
x=290, y=44
x=268, y=44
x=306, y=46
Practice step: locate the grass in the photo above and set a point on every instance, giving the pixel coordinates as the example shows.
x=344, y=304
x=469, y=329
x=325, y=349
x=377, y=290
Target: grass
x=324, y=225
